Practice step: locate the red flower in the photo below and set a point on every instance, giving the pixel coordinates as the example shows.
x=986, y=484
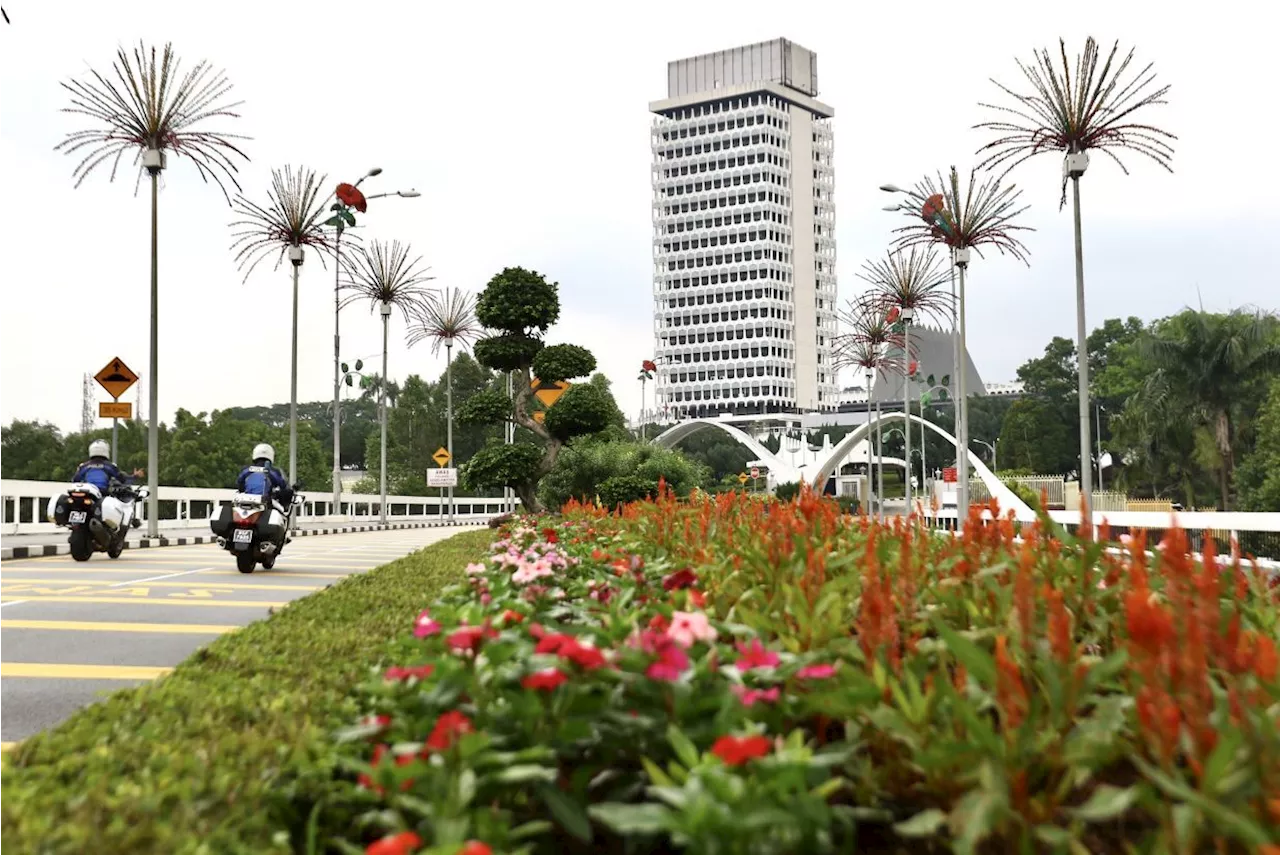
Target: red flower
x=755, y=656
x=932, y=206
x=424, y=626
x=554, y=643
x=750, y=697
x=912, y=368
x=679, y=580
x=648, y=365
x=697, y=598
x=598, y=554
x=659, y=623
x=567, y=647
x=545, y=681
x=892, y=317
x=549, y=534
x=736, y=750
x=671, y=663
x=395, y=844
x=379, y=753
x=402, y=673
x=475, y=847
x=449, y=728
x=470, y=638
x=350, y=195
x=512, y=616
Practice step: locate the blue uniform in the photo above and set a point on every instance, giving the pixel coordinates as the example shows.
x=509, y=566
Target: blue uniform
x=101, y=473
x=262, y=479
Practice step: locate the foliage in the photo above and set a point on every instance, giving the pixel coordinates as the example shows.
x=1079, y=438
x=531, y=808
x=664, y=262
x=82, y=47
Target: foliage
x=738, y=676
x=501, y=465
x=625, y=489
x=787, y=492
x=583, y=468
x=211, y=758
x=210, y=451
x=519, y=305
x=291, y=218
x=150, y=107
x=1260, y=470
x=1090, y=109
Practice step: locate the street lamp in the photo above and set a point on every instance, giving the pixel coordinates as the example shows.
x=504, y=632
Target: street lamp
x=992, y=448
x=340, y=224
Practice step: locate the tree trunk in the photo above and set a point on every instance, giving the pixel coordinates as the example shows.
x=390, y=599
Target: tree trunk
x=1222, y=435
x=528, y=493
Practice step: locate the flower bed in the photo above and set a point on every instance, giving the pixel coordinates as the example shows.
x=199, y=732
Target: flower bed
x=729, y=676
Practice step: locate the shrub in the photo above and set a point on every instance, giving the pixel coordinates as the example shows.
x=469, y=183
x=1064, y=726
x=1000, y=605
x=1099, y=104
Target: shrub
x=187, y=764
x=624, y=489
x=584, y=467
x=787, y=492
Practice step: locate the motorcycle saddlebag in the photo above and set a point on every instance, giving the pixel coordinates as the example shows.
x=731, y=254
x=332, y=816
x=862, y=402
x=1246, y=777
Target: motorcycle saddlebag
x=221, y=524
x=61, y=510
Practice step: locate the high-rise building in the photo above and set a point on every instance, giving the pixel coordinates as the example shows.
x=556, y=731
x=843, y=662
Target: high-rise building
x=744, y=247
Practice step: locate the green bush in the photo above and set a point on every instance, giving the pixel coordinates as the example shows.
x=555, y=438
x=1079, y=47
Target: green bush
x=196, y=762
x=624, y=489
x=787, y=492
x=583, y=468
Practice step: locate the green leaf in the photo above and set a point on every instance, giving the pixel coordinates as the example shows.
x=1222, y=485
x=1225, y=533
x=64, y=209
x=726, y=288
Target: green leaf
x=359, y=364
x=344, y=367
x=1106, y=802
x=336, y=206
x=335, y=221
x=350, y=380
x=655, y=773
x=349, y=217
x=685, y=750
x=644, y=818
x=466, y=786
x=567, y=812
x=1053, y=835
x=524, y=773
x=924, y=824
x=980, y=664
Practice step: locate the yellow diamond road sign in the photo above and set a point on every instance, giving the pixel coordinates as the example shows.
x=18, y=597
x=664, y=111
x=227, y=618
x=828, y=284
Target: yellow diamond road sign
x=742, y=479
x=116, y=377
x=441, y=457
x=549, y=393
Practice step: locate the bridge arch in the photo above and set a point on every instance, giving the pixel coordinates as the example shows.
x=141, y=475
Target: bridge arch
x=1001, y=493
x=781, y=470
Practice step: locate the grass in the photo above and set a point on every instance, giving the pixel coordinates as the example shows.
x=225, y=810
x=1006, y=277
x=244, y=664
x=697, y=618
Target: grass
x=195, y=762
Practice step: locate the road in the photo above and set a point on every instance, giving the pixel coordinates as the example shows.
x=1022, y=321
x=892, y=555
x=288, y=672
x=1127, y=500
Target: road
x=69, y=632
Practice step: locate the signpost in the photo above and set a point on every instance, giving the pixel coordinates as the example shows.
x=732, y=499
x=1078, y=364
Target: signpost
x=742, y=479
x=117, y=378
x=547, y=394
x=442, y=477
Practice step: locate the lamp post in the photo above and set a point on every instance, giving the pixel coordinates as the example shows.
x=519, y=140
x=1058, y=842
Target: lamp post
x=992, y=448
x=870, y=464
x=1097, y=408
x=340, y=225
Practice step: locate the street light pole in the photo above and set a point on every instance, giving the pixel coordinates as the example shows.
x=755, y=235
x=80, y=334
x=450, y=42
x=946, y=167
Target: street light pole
x=1074, y=166
x=907, y=313
x=1098, y=419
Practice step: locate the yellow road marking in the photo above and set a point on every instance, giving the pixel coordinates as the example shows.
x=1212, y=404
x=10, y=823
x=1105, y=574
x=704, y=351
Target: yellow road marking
x=279, y=573
x=81, y=672
x=112, y=626
x=124, y=601
x=243, y=586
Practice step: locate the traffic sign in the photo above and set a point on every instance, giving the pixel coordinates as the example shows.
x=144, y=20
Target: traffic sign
x=742, y=479
x=116, y=377
x=442, y=456
x=755, y=471
x=442, y=477
x=115, y=410
x=549, y=393
x=949, y=475
x=539, y=416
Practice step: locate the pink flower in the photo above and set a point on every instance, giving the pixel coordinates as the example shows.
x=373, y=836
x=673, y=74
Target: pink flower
x=816, y=672
x=750, y=697
x=401, y=673
x=424, y=626
x=671, y=663
x=531, y=570
x=476, y=569
x=755, y=656
x=688, y=627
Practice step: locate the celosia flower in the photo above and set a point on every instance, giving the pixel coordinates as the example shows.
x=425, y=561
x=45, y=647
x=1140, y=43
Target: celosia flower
x=404, y=843
x=424, y=626
x=550, y=535
x=449, y=728
x=816, y=672
x=754, y=655
x=680, y=579
x=736, y=750
x=401, y=673
x=690, y=627
x=544, y=681
x=751, y=697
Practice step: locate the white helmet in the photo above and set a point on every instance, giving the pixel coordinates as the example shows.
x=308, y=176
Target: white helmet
x=262, y=450
x=99, y=448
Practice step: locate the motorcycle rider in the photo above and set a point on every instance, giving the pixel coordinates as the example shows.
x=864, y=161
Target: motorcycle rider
x=262, y=478
x=99, y=471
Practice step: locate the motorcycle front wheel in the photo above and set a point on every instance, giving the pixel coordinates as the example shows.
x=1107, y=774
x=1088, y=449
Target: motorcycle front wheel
x=81, y=544
x=245, y=562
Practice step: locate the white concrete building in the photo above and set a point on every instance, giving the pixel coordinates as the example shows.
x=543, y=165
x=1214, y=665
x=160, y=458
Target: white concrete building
x=744, y=235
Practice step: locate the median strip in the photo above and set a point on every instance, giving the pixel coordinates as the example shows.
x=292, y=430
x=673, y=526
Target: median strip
x=81, y=672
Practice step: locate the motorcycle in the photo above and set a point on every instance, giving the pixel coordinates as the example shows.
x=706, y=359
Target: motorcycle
x=97, y=523
x=255, y=529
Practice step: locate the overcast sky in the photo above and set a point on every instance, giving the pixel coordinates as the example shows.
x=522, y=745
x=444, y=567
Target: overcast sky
x=525, y=127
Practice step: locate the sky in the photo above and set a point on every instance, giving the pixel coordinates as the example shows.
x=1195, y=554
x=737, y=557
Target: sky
x=525, y=128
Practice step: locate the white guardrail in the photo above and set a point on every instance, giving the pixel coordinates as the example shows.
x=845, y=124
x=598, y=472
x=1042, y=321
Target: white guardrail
x=25, y=502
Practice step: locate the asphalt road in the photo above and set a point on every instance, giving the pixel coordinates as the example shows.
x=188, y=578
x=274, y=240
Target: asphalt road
x=70, y=632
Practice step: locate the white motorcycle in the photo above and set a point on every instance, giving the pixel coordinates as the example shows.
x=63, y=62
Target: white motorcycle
x=98, y=523
x=254, y=529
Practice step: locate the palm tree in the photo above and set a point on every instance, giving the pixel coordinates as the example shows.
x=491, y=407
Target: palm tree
x=1070, y=113
x=446, y=320
x=384, y=275
x=291, y=220
x=1212, y=360
x=151, y=111
x=982, y=216
x=908, y=284
x=869, y=342
x=371, y=389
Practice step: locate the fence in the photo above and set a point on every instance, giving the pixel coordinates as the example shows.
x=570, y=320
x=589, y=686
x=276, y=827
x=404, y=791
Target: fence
x=192, y=507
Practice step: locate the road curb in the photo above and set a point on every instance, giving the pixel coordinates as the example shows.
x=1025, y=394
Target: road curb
x=12, y=553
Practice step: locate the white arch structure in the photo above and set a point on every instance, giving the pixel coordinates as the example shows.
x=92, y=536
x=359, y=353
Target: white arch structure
x=818, y=476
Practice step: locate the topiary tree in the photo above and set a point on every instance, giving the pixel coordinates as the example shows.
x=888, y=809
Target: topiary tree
x=518, y=306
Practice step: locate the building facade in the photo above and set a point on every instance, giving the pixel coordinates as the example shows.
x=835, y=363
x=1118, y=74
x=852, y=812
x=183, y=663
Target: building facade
x=744, y=246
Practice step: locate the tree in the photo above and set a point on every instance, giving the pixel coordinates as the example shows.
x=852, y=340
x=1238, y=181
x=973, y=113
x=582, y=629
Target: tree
x=519, y=306
x=31, y=451
x=1214, y=362
x=1034, y=436
x=151, y=110
x=1259, y=473
x=210, y=450
x=618, y=472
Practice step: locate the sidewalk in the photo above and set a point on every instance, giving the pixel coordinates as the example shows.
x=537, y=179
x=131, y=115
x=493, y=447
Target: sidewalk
x=38, y=545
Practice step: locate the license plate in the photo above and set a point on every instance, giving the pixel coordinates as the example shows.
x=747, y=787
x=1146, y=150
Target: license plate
x=243, y=535
x=77, y=517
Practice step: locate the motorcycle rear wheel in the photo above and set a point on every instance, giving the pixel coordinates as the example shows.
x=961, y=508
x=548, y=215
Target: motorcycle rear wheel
x=81, y=544
x=245, y=562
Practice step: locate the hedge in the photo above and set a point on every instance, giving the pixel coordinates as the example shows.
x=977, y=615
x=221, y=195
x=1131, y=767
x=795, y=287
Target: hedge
x=196, y=762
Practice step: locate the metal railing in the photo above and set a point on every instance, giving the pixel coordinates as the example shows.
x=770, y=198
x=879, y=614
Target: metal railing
x=25, y=503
